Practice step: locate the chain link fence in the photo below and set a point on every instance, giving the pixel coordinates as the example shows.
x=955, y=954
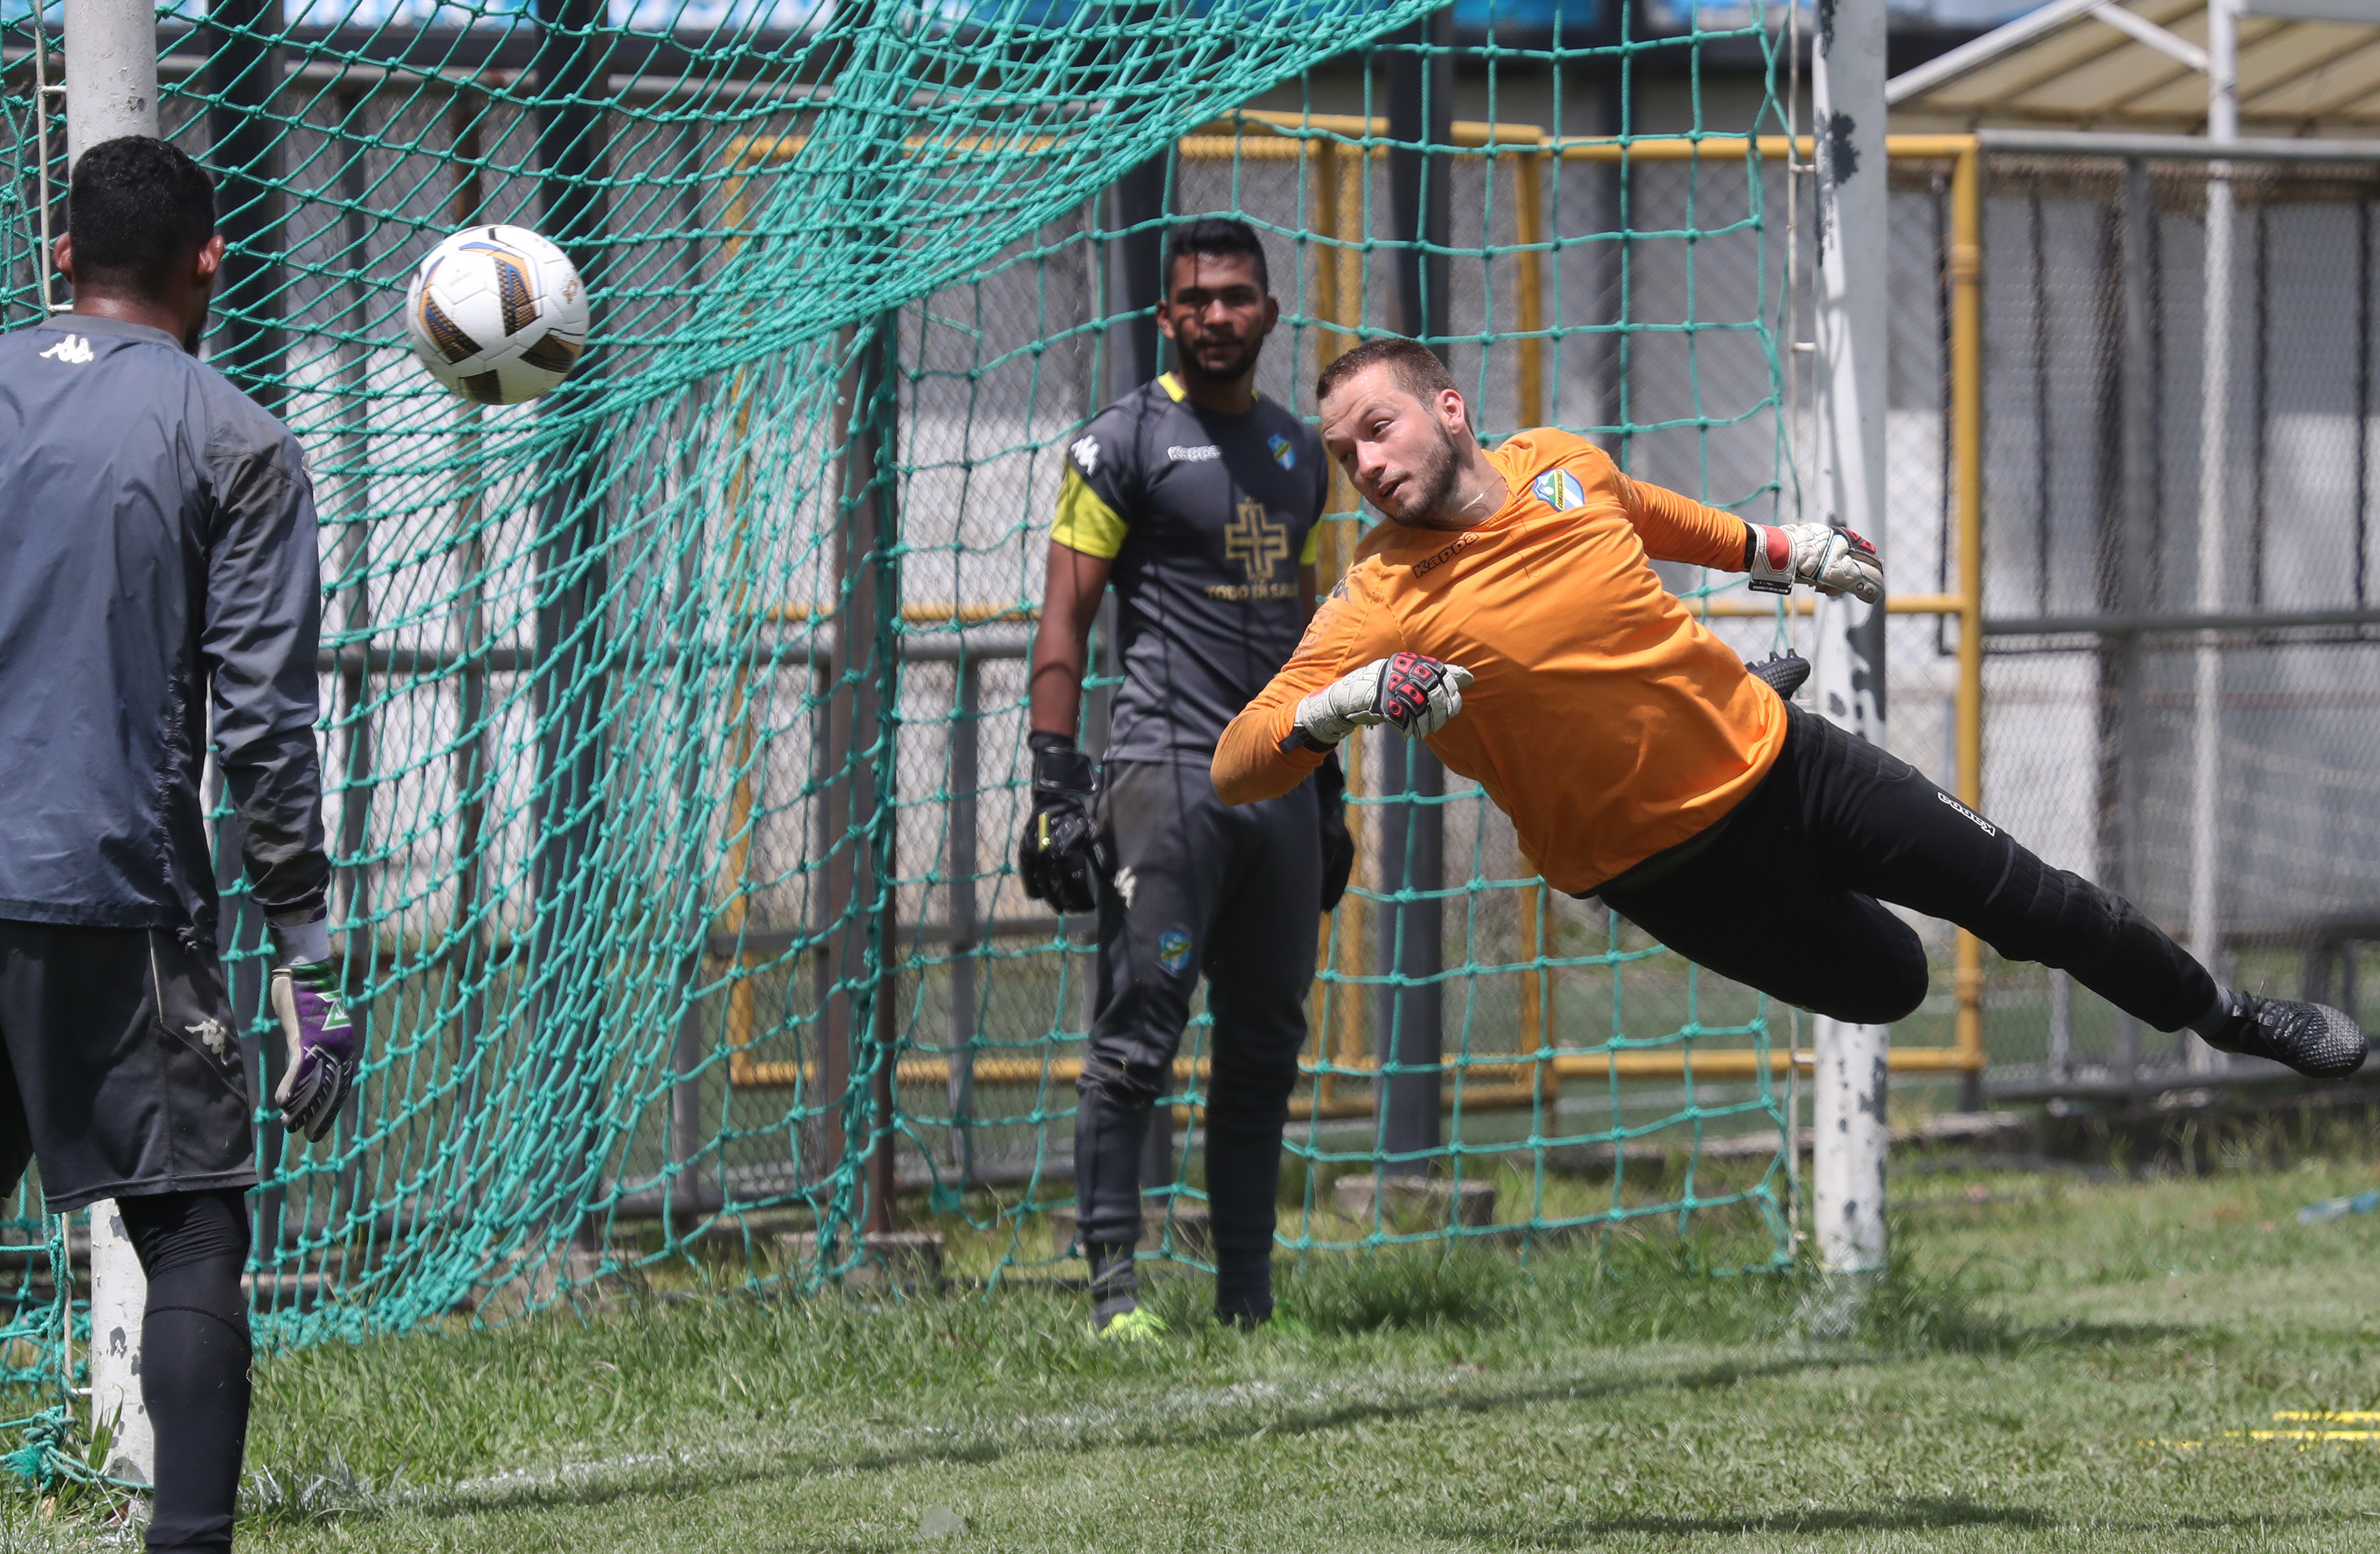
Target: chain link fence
x=2092, y=375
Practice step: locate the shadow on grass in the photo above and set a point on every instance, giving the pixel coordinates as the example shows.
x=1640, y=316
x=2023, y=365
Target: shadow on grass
x=1919, y=1515
x=1629, y=1292
x=1908, y=1516
x=1168, y=1423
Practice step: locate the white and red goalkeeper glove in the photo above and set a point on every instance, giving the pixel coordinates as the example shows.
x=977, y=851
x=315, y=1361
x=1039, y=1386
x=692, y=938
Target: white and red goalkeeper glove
x=1833, y=561
x=1416, y=696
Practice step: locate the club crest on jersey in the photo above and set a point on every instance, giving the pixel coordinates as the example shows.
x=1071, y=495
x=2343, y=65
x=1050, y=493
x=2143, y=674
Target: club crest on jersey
x=1559, y=489
x=1173, y=951
x=1282, y=454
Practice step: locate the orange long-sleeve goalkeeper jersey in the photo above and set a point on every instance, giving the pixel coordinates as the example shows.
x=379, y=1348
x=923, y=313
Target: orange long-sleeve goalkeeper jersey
x=1604, y=720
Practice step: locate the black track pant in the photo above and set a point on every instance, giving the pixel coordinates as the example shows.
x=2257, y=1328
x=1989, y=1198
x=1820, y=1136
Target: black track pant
x=1233, y=892
x=1783, y=894
x=194, y=1360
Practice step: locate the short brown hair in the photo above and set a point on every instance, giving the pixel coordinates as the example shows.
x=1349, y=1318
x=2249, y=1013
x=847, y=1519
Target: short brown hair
x=1418, y=371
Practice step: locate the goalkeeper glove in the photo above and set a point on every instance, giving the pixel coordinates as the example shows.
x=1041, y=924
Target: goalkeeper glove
x=1338, y=844
x=322, y=1043
x=1062, y=860
x=1416, y=696
x=1833, y=561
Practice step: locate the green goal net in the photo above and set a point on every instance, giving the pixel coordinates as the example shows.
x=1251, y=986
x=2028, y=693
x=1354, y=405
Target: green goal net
x=674, y=732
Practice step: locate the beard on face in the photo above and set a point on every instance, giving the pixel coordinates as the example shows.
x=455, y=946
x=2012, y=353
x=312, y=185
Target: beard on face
x=1432, y=484
x=1237, y=367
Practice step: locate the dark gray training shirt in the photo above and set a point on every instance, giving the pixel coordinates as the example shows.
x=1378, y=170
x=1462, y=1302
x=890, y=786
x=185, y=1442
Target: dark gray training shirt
x=1207, y=518
x=157, y=539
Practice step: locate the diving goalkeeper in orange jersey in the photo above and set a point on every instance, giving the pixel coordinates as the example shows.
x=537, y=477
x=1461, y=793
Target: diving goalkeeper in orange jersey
x=1507, y=614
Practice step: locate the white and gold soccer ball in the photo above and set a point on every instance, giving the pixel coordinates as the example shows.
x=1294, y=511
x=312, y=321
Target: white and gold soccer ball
x=497, y=314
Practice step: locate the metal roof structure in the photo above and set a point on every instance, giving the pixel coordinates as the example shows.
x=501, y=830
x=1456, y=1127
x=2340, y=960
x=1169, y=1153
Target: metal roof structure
x=2295, y=67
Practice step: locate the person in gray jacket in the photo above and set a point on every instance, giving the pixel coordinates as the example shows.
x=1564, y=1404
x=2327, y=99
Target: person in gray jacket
x=159, y=591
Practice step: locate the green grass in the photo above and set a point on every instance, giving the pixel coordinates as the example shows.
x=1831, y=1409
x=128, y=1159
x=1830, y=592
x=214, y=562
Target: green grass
x=2055, y=1362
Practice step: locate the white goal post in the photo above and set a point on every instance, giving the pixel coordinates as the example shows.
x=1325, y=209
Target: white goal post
x=111, y=90
x=1847, y=1162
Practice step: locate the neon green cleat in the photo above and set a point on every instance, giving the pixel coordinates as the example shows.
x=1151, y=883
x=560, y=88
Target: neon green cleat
x=1136, y=1326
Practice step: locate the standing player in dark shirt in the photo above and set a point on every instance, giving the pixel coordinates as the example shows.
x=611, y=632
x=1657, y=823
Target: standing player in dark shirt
x=1197, y=499
x=158, y=592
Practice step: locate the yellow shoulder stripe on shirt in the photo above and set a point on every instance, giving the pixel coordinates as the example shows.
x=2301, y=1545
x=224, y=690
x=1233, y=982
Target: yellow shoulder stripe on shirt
x=1171, y=385
x=1312, y=551
x=1084, y=522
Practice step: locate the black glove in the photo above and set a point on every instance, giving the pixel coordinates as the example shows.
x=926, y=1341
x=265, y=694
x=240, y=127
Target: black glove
x=1062, y=860
x=1337, y=846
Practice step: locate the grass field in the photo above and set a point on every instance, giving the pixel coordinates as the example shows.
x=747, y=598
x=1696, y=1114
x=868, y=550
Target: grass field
x=2058, y=1362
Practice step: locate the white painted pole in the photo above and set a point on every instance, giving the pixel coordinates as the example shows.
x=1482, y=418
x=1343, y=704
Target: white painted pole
x=110, y=81
x=1848, y=1088
x=2214, y=420
x=111, y=72
x=119, y=1299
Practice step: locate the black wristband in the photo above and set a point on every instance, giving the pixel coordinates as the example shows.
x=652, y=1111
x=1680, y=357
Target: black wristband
x=1298, y=738
x=1060, y=767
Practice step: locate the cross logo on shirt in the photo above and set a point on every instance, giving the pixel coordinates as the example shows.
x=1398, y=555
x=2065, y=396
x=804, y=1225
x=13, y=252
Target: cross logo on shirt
x=1256, y=541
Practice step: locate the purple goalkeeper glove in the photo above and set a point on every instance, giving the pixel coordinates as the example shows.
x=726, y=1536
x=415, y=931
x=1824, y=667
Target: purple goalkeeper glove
x=322, y=1046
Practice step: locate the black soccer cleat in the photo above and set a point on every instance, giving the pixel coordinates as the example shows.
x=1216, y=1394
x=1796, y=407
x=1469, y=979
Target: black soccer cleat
x=1782, y=673
x=2318, y=1040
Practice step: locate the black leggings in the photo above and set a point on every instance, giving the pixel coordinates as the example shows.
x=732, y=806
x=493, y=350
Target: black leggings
x=1784, y=893
x=194, y=1360
x=1233, y=892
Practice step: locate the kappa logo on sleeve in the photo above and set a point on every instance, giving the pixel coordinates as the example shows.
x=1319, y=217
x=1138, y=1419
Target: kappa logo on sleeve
x=72, y=348
x=1988, y=829
x=1086, y=454
x=1559, y=489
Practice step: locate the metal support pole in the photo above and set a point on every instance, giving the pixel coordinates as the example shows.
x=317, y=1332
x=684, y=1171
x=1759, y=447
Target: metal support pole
x=686, y=1135
x=111, y=81
x=569, y=691
x=856, y=1028
x=472, y=763
x=111, y=74
x=244, y=70
x=2061, y=1028
x=1140, y=209
x=1420, y=87
x=2124, y=591
x=2214, y=427
x=1410, y=1022
x=1848, y=1163
x=963, y=861
x=352, y=550
x=1965, y=263
x=1141, y=200
x=1607, y=302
